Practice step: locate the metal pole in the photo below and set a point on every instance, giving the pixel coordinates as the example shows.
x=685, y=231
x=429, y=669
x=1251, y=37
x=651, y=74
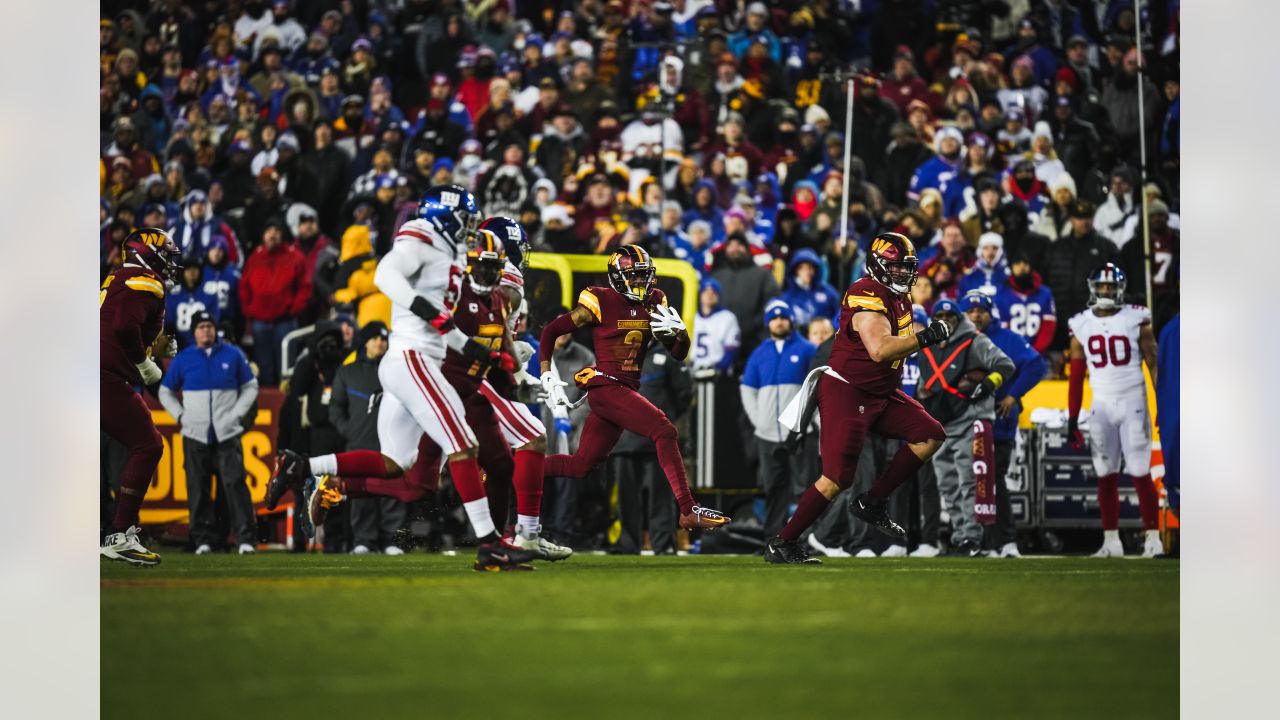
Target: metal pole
x=1142, y=150
x=848, y=151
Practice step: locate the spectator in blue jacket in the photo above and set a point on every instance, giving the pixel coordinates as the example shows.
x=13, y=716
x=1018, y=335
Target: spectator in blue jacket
x=218, y=394
x=772, y=377
x=805, y=292
x=706, y=207
x=188, y=298
x=221, y=279
x=756, y=26
x=938, y=170
x=1030, y=368
x=1168, y=416
x=989, y=273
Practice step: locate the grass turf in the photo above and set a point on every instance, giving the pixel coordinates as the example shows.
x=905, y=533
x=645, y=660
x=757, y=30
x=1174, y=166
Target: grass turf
x=322, y=636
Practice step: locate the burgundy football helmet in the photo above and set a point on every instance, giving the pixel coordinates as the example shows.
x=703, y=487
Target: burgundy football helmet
x=892, y=261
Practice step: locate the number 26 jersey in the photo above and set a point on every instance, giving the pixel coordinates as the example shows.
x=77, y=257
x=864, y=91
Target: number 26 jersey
x=1111, y=347
x=620, y=332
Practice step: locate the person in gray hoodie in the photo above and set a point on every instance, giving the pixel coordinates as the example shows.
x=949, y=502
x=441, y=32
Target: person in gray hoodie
x=958, y=381
x=218, y=394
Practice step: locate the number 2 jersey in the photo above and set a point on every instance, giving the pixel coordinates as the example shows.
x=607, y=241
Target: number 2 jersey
x=1111, y=347
x=620, y=332
x=849, y=357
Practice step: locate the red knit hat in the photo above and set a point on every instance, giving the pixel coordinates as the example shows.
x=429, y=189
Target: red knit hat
x=1066, y=75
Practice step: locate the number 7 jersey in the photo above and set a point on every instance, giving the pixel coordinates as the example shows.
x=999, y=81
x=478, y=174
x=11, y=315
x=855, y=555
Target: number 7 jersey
x=1111, y=347
x=620, y=332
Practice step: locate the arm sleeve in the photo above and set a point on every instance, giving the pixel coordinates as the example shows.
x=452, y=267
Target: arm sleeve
x=1075, y=387
x=1048, y=328
x=169, y=399
x=1031, y=373
x=562, y=325
x=394, y=271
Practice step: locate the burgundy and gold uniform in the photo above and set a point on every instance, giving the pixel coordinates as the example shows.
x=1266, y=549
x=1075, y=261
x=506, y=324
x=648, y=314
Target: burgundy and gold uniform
x=621, y=336
x=130, y=321
x=849, y=356
x=482, y=316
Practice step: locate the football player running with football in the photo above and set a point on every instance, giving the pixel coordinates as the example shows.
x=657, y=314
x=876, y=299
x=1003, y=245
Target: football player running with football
x=624, y=317
x=859, y=393
x=422, y=275
x=1107, y=336
x=131, y=323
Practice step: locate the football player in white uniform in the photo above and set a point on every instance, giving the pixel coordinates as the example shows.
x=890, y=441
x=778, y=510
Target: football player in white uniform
x=421, y=275
x=1114, y=340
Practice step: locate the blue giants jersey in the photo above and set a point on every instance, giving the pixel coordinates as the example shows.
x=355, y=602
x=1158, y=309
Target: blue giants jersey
x=1024, y=314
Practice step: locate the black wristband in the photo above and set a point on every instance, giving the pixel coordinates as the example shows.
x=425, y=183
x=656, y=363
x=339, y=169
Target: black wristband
x=473, y=350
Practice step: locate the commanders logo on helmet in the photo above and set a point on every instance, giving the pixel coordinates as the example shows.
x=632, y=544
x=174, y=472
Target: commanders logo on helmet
x=1106, y=286
x=153, y=249
x=486, y=259
x=631, y=273
x=892, y=261
x=514, y=239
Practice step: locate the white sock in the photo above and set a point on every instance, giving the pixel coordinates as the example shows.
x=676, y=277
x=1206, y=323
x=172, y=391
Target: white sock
x=478, y=513
x=324, y=465
x=1153, y=535
x=529, y=527
x=1110, y=537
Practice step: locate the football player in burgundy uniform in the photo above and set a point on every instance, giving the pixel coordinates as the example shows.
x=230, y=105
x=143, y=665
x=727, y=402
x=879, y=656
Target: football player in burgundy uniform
x=131, y=321
x=624, y=318
x=860, y=393
x=1106, y=334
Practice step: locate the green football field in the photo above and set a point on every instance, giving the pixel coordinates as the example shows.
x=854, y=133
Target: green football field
x=423, y=636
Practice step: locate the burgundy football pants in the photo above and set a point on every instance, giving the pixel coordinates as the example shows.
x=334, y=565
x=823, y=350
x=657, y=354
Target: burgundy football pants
x=125, y=417
x=615, y=408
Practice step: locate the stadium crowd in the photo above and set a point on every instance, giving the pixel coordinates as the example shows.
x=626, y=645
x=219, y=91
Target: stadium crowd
x=283, y=143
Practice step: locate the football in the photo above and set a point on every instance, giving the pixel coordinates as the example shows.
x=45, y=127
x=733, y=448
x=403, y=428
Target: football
x=970, y=380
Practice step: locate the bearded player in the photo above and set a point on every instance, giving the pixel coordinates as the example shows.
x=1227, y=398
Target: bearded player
x=624, y=317
x=860, y=393
x=131, y=320
x=1110, y=335
x=422, y=276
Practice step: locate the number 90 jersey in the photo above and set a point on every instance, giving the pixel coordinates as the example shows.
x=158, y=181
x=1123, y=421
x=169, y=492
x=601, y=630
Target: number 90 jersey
x=620, y=332
x=1111, y=347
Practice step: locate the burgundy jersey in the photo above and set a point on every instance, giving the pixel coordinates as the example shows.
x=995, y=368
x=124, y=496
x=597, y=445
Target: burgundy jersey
x=483, y=317
x=130, y=318
x=849, y=356
x=620, y=332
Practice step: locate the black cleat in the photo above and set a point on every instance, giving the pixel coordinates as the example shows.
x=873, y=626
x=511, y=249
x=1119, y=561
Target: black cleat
x=292, y=470
x=500, y=556
x=967, y=548
x=872, y=512
x=787, y=552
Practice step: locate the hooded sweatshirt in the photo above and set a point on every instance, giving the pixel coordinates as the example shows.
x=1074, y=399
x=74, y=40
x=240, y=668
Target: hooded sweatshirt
x=818, y=299
x=711, y=213
x=356, y=267
x=957, y=414
x=193, y=236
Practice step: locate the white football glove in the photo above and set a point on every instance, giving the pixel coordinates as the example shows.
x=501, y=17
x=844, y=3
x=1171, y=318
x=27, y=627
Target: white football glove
x=522, y=351
x=150, y=372
x=171, y=348
x=667, y=322
x=554, y=387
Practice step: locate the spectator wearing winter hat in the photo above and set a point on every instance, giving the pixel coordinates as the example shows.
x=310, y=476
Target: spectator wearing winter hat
x=186, y=299
x=906, y=153
x=197, y=227
x=755, y=27
x=1023, y=91
x=354, y=279
x=1025, y=306
x=273, y=293
x=318, y=250
x=716, y=336
x=126, y=143
x=1014, y=138
x=1042, y=155
x=747, y=286
x=221, y=279
x=706, y=207
x=1120, y=99
x=946, y=164
x=903, y=85
x=806, y=293
x=1041, y=61
x=989, y=270
x=1055, y=217
x=957, y=192
x=772, y=376
x=1120, y=205
x=328, y=165
x=437, y=131
x=1021, y=182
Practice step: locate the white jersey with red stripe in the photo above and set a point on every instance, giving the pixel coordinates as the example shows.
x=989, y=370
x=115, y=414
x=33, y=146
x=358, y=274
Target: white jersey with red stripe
x=422, y=263
x=513, y=282
x=1111, y=348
